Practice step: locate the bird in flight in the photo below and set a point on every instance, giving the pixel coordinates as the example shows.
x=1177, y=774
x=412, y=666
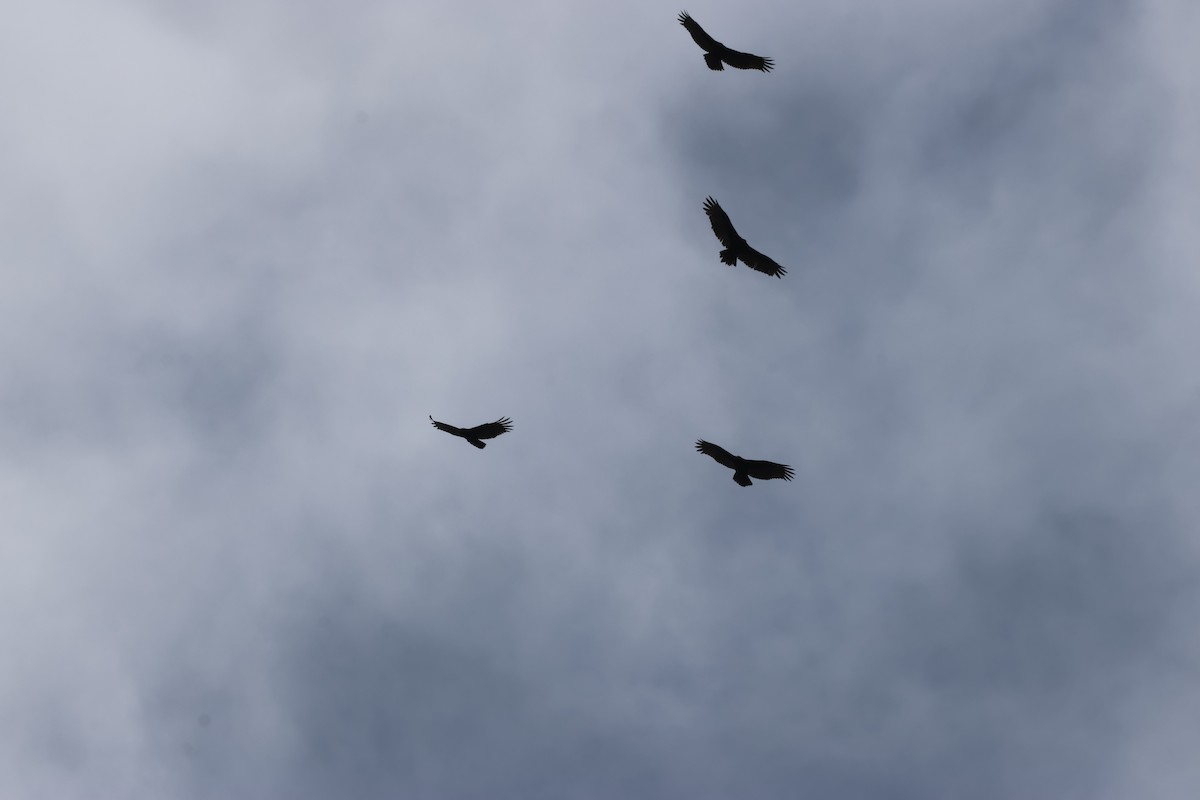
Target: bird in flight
x=735, y=246
x=717, y=54
x=744, y=469
x=489, y=430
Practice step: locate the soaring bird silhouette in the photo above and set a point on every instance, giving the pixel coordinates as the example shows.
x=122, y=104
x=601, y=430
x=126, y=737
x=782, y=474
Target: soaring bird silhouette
x=715, y=53
x=744, y=469
x=489, y=430
x=735, y=246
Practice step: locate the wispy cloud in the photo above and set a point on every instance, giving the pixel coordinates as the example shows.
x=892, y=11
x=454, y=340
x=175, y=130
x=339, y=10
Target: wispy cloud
x=251, y=247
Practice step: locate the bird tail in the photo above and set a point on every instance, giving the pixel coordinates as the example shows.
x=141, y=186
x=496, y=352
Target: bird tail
x=729, y=257
x=714, y=61
x=477, y=443
x=741, y=478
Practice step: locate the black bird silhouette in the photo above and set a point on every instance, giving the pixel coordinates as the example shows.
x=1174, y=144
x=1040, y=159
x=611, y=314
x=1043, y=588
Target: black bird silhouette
x=715, y=53
x=744, y=469
x=735, y=246
x=489, y=430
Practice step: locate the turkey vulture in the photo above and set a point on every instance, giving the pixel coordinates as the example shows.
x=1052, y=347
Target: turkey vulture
x=489, y=430
x=744, y=469
x=715, y=52
x=735, y=245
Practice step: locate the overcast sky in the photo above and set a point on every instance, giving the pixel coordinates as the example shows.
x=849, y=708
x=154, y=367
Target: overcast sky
x=248, y=247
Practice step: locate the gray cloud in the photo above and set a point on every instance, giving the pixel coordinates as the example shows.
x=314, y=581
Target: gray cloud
x=254, y=246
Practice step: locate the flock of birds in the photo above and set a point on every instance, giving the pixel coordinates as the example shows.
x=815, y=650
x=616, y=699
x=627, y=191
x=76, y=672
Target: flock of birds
x=716, y=56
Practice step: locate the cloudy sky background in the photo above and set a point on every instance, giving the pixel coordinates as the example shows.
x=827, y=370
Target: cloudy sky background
x=249, y=247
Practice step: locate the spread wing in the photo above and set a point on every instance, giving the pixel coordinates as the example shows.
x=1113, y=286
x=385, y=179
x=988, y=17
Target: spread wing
x=766, y=470
x=721, y=224
x=718, y=454
x=441, y=426
x=756, y=260
x=739, y=60
x=698, y=34
x=490, y=430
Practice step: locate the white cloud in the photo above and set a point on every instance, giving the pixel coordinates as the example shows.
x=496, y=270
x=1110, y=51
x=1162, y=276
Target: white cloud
x=256, y=245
